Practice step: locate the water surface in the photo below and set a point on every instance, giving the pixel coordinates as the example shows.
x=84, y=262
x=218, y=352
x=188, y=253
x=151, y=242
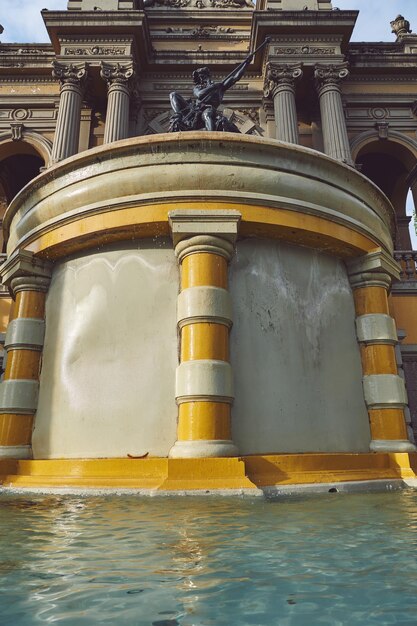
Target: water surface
x=329, y=559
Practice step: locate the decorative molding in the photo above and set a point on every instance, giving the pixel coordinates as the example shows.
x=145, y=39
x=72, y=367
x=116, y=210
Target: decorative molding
x=400, y=27
x=16, y=129
x=202, y=31
x=281, y=75
x=382, y=128
x=117, y=74
x=199, y=4
x=375, y=48
x=96, y=51
x=301, y=50
x=330, y=75
x=69, y=73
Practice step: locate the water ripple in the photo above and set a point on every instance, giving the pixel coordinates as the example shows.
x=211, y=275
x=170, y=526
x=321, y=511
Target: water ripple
x=345, y=559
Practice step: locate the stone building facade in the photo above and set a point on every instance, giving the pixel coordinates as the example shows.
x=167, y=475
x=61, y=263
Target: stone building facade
x=319, y=118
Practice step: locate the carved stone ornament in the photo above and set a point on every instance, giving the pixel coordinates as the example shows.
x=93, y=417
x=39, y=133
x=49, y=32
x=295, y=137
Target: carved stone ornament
x=400, y=26
x=16, y=129
x=117, y=73
x=69, y=73
x=281, y=75
x=96, y=51
x=301, y=50
x=201, y=32
x=330, y=75
x=201, y=4
x=382, y=128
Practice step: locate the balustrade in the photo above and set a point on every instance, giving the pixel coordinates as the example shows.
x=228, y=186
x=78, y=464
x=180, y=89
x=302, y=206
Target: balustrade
x=408, y=263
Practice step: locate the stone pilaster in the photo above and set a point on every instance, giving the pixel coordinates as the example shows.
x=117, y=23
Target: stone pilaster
x=118, y=78
x=335, y=137
x=28, y=280
x=384, y=390
x=204, y=245
x=280, y=84
x=67, y=132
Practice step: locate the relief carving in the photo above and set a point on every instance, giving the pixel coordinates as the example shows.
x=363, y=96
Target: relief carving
x=201, y=4
x=300, y=50
x=95, y=51
x=201, y=31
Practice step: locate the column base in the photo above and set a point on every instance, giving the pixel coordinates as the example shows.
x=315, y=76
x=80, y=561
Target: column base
x=203, y=449
x=391, y=445
x=15, y=452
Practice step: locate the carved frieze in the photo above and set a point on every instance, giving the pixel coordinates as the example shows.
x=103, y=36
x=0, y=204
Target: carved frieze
x=201, y=31
x=95, y=51
x=391, y=48
x=302, y=50
x=200, y=4
x=188, y=87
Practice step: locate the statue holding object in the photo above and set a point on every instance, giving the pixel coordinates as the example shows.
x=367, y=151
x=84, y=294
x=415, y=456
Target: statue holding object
x=202, y=113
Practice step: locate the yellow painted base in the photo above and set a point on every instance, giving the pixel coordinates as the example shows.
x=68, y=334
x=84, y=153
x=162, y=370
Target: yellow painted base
x=245, y=473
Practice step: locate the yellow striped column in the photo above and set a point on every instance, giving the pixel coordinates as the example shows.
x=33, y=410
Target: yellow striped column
x=384, y=390
x=204, y=245
x=28, y=280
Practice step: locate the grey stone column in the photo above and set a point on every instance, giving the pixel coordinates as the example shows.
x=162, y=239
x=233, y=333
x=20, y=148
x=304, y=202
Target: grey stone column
x=335, y=137
x=280, y=84
x=67, y=132
x=118, y=102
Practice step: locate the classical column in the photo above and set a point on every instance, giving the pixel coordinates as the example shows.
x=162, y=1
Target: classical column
x=204, y=245
x=28, y=279
x=67, y=132
x=384, y=391
x=280, y=84
x=117, y=78
x=335, y=137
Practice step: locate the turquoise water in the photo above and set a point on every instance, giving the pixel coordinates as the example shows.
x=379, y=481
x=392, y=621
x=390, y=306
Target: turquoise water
x=328, y=559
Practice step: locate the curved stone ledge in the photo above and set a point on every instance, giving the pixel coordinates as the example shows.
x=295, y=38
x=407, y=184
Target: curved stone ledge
x=182, y=168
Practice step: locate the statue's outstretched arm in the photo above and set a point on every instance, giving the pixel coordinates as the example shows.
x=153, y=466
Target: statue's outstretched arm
x=237, y=73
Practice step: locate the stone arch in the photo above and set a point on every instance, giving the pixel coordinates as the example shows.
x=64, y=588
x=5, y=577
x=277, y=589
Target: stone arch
x=389, y=158
x=22, y=154
x=21, y=140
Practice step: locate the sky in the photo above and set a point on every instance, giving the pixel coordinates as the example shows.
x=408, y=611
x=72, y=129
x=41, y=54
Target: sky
x=23, y=23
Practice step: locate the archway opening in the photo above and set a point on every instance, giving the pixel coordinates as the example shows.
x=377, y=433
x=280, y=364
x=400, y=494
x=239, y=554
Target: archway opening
x=388, y=165
x=16, y=170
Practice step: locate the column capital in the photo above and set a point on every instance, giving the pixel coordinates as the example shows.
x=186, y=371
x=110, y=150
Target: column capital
x=23, y=271
x=185, y=224
x=117, y=74
x=70, y=74
x=281, y=75
x=330, y=75
x=376, y=268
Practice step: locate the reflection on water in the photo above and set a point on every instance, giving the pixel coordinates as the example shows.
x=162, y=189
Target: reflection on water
x=335, y=559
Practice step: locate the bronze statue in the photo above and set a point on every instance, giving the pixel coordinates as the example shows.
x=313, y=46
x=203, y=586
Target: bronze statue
x=202, y=113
